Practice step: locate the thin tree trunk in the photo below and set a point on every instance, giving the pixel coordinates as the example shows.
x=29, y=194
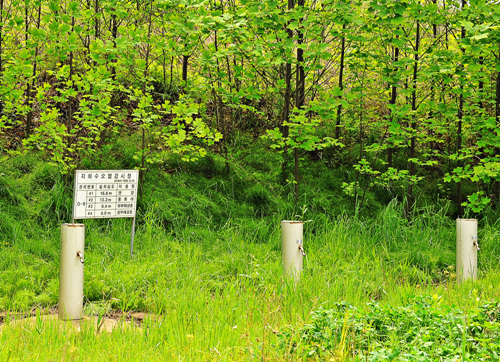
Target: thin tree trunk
x=71, y=71
x=164, y=68
x=287, y=103
x=430, y=131
x=114, y=36
x=28, y=85
x=220, y=106
x=496, y=191
x=185, y=59
x=341, y=84
x=360, y=141
x=234, y=111
x=31, y=85
x=171, y=71
x=96, y=21
x=1, y=43
x=460, y=116
x=145, y=77
x=481, y=85
x=237, y=115
x=392, y=102
x=300, y=91
x=413, y=140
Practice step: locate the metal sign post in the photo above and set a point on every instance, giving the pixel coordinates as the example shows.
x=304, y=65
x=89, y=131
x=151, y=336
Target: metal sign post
x=102, y=194
x=132, y=238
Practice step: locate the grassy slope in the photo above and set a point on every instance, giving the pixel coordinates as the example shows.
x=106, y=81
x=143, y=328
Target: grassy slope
x=207, y=258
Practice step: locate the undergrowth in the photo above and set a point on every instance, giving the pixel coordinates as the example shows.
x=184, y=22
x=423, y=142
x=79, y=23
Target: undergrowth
x=421, y=331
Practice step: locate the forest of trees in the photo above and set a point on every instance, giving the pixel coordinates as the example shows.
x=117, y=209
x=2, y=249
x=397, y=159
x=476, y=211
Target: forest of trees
x=402, y=91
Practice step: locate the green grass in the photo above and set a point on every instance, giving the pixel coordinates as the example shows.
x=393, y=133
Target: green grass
x=220, y=291
x=207, y=267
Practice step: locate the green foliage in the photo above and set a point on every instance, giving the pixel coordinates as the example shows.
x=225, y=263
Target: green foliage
x=421, y=331
x=483, y=172
x=397, y=101
x=183, y=134
x=302, y=134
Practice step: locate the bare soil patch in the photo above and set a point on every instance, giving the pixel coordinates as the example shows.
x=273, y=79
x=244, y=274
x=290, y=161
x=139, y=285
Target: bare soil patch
x=108, y=322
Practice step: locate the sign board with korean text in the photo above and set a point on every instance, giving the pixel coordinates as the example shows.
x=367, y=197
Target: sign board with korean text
x=100, y=194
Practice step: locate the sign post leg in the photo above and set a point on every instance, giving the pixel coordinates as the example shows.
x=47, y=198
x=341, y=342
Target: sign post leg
x=132, y=239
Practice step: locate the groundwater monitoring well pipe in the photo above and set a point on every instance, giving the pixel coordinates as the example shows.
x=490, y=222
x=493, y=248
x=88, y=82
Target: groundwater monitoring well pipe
x=467, y=248
x=292, y=248
x=71, y=271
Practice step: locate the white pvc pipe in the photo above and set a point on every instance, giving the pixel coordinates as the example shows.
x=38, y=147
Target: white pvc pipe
x=292, y=248
x=467, y=247
x=71, y=271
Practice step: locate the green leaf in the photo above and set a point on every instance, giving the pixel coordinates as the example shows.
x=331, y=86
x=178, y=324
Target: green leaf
x=480, y=36
x=25, y=53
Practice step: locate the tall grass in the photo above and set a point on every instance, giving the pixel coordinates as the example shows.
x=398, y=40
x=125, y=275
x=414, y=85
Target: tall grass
x=221, y=293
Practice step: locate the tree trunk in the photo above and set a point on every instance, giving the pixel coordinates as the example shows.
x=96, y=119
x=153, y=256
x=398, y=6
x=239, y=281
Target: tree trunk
x=413, y=140
x=114, y=36
x=28, y=83
x=223, y=126
x=300, y=89
x=1, y=43
x=430, y=131
x=286, y=105
x=496, y=191
x=185, y=59
x=144, y=143
x=480, y=87
x=392, y=102
x=171, y=71
x=341, y=84
x=96, y=21
x=31, y=84
x=460, y=116
x=71, y=71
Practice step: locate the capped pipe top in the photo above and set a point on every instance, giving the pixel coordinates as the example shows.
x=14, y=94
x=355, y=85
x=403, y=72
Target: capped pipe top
x=73, y=225
x=291, y=222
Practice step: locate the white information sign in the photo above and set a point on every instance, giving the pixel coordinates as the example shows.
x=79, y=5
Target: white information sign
x=105, y=194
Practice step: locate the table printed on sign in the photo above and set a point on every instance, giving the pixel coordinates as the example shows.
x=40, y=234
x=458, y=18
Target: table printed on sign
x=105, y=194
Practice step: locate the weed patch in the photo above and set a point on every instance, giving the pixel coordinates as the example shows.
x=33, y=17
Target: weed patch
x=421, y=331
